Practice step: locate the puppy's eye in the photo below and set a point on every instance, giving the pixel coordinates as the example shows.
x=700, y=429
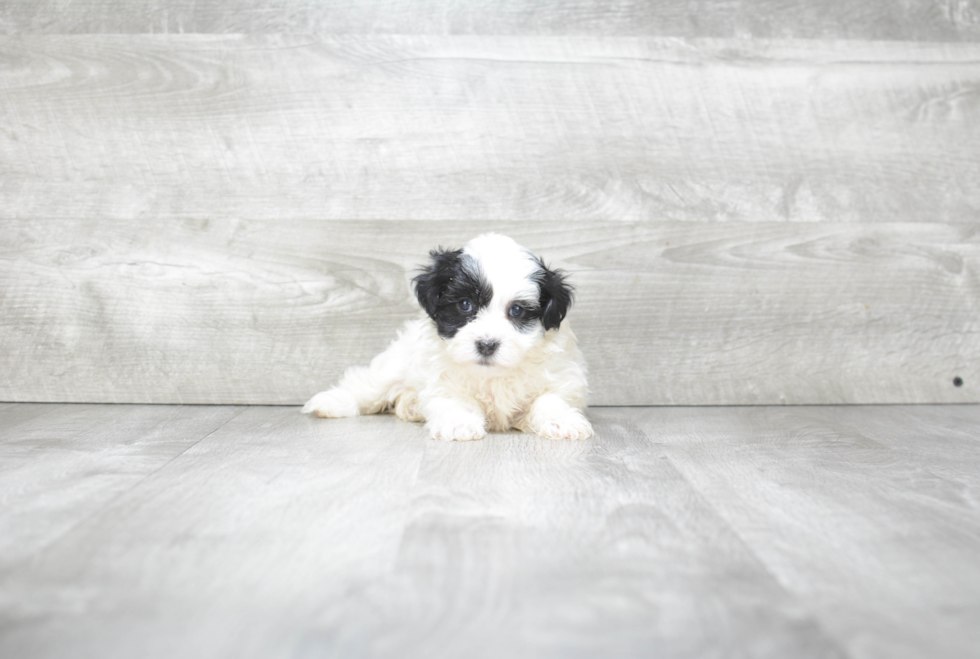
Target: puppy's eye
x=516, y=311
x=465, y=306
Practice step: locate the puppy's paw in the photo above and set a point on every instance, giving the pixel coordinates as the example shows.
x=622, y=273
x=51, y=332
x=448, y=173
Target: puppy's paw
x=570, y=424
x=334, y=403
x=407, y=406
x=457, y=428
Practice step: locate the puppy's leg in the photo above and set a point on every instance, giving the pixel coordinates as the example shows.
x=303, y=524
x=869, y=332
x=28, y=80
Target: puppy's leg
x=357, y=393
x=450, y=419
x=407, y=406
x=366, y=389
x=551, y=417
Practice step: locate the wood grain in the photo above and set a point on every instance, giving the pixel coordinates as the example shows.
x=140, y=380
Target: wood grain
x=667, y=313
x=833, y=512
x=676, y=532
x=229, y=549
x=527, y=548
x=60, y=465
x=14, y=414
x=487, y=128
x=936, y=438
x=234, y=219
x=282, y=535
x=823, y=19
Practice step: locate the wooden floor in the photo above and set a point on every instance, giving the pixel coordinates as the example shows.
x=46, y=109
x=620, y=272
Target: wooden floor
x=169, y=531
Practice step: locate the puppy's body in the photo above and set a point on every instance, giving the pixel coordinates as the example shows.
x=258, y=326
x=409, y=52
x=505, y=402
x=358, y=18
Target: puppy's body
x=491, y=353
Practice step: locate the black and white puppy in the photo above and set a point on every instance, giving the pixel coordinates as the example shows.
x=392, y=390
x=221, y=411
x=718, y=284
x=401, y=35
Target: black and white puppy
x=491, y=353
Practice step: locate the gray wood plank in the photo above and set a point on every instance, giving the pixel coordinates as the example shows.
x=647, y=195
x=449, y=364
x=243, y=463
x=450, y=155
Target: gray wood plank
x=527, y=548
x=15, y=414
x=824, y=19
x=667, y=313
x=59, y=468
x=228, y=550
x=280, y=535
x=881, y=545
x=487, y=128
x=940, y=439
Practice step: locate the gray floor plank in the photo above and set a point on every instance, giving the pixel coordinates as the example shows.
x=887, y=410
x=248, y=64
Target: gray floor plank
x=228, y=548
x=942, y=439
x=677, y=532
x=66, y=464
x=521, y=547
x=884, y=548
x=14, y=414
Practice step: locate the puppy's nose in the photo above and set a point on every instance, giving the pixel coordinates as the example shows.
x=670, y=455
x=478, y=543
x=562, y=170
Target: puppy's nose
x=487, y=347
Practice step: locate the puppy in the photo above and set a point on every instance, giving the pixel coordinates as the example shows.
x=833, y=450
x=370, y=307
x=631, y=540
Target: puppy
x=490, y=353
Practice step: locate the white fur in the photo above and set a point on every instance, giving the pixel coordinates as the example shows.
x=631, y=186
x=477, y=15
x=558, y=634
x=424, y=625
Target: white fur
x=535, y=383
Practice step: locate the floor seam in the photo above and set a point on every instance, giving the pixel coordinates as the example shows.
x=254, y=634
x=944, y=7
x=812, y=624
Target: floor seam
x=108, y=504
x=811, y=614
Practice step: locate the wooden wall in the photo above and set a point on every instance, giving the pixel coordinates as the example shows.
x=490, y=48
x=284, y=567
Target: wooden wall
x=759, y=202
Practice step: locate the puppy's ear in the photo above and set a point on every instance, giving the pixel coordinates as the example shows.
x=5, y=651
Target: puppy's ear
x=433, y=280
x=556, y=296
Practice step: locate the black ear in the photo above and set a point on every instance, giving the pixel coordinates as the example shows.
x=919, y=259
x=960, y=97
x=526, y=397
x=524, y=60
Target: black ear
x=556, y=296
x=433, y=280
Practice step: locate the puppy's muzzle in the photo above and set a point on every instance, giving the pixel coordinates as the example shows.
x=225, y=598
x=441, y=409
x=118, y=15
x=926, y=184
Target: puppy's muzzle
x=487, y=347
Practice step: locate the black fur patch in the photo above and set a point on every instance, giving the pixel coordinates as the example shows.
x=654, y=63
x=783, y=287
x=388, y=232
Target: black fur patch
x=441, y=288
x=556, y=295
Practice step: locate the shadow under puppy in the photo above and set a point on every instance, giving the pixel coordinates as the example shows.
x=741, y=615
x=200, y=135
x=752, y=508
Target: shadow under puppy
x=492, y=352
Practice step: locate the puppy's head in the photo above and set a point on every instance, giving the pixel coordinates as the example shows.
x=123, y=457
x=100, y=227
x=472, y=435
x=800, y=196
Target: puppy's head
x=492, y=300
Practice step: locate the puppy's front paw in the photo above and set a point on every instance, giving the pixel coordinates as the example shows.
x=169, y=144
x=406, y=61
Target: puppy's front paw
x=458, y=429
x=334, y=403
x=570, y=424
x=407, y=406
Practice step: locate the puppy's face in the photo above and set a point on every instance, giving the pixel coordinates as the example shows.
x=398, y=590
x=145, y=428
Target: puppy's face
x=491, y=301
